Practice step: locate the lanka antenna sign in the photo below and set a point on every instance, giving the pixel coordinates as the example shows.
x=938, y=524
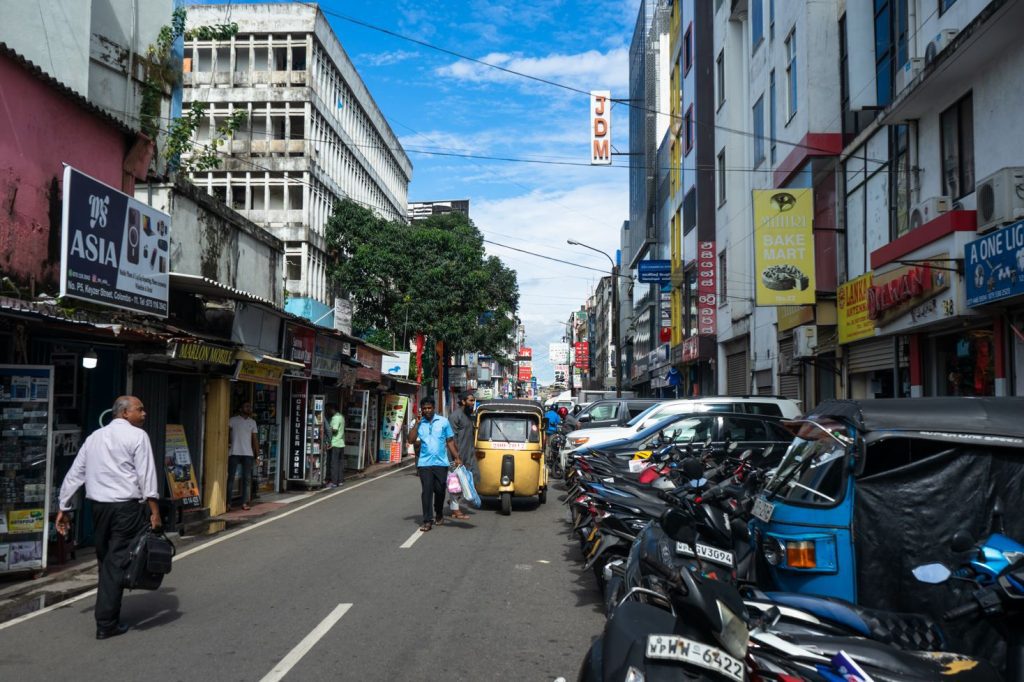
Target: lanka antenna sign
x=115, y=250
x=784, y=247
x=600, y=128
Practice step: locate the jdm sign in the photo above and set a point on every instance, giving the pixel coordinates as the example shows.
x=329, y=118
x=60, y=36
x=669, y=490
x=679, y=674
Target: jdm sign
x=115, y=251
x=654, y=271
x=600, y=128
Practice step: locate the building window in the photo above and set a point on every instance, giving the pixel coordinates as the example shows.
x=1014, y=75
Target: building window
x=690, y=211
x=899, y=180
x=957, y=127
x=771, y=116
x=791, y=89
x=759, y=131
x=723, y=280
x=688, y=49
x=771, y=19
x=756, y=22
x=688, y=130
x=945, y=5
x=891, y=18
x=721, y=177
x=720, y=73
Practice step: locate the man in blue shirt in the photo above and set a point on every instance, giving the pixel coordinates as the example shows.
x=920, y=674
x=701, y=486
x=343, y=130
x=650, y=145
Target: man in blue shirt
x=433, y=438
x=552, y=420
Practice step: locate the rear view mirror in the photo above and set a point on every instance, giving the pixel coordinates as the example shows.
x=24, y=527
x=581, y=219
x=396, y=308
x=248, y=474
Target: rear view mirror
x=677, y=525
x=747, y=454
x=962, y=542
x=583, y=418
x=576, y=409
x=732, y=446
x=933, y=574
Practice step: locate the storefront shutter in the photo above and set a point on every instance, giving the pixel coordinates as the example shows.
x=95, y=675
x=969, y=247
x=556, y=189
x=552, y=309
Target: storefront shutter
x=736, y=374
x=764, y=381
x=870, y=355
x=789, y=382
x=151, y=388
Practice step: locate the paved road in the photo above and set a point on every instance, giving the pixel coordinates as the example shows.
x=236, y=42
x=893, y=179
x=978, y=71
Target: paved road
x=492, y=598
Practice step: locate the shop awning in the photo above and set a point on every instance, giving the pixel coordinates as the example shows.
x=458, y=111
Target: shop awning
x=269, y=359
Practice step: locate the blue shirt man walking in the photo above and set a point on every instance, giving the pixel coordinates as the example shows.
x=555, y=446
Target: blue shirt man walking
x=433, y=438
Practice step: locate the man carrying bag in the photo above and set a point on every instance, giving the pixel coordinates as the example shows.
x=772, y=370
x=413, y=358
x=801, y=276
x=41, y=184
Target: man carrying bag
x=116, y=465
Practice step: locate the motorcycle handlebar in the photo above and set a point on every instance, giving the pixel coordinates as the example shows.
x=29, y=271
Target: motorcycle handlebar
x=962, y=611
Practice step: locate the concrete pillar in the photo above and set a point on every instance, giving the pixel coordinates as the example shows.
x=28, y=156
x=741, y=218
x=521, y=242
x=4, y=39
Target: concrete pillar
x=1002, y=383
x=916, y=367
x=215, y=445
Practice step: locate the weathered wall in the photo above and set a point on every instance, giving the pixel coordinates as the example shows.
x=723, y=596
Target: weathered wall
x=41, y=129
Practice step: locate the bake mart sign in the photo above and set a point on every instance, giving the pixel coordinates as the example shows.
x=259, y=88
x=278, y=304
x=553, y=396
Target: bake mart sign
x=784, y=246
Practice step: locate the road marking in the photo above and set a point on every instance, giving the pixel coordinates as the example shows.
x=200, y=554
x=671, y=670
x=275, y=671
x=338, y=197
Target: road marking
x=412, y=538
x=206, y=545
x=307, y=643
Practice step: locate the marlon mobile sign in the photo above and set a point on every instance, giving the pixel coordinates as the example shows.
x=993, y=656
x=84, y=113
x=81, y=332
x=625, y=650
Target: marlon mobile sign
x=115, y=250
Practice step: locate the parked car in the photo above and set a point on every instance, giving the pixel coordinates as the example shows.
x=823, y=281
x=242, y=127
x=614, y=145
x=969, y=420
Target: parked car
x=608, y=412
x=771, y=406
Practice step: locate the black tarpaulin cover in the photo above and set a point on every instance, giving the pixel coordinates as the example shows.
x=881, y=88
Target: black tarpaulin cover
x=906, y=516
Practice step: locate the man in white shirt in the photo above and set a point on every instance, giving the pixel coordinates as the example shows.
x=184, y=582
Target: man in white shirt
x=244, y=446
x=116, y=465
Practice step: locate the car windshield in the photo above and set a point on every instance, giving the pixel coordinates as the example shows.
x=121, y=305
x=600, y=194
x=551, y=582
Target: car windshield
x=508, y=428
x=812, y=471
x=676, y=430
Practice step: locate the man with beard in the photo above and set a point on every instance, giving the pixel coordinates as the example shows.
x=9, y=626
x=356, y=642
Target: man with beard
x=463, y=423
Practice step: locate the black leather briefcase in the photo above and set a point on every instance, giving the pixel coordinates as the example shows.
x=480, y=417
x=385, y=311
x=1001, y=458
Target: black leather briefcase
x=149, y=560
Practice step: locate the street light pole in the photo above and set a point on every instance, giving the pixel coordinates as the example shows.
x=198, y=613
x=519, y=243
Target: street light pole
x=615, y=314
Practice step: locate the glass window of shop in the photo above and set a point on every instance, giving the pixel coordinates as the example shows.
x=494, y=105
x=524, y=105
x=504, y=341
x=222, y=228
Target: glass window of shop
x=964, y=363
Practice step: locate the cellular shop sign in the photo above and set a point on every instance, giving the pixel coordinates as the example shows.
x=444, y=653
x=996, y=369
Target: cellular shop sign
x=115, y=250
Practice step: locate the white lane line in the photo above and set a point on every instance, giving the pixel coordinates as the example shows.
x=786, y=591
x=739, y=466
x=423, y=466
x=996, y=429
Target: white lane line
x=211, y=543
x=289, y=500
x=412, y=538
x=307, y=643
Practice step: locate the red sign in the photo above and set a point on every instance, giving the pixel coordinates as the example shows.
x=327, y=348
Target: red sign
x=903, y=287
x=691, y=348
x=525, y=353
x=583, y=354
x=665, y=335
x=525, y=372
x=707, y=288
x=299, y=345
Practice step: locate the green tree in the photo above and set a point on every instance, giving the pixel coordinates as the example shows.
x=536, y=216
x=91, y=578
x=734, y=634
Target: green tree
x=431, y=277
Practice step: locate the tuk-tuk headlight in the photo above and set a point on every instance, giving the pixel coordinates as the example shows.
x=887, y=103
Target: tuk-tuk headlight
x=505, y=480
x=774, y=551
x=734, y=635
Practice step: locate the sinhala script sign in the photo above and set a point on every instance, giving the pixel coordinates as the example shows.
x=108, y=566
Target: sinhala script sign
x=115, y=250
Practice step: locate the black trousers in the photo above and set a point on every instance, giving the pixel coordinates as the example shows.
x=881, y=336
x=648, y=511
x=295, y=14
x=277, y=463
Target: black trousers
x=432, y=482
x=116, y=525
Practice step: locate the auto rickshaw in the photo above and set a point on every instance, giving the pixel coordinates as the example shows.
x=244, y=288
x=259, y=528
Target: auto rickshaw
x=510, y=451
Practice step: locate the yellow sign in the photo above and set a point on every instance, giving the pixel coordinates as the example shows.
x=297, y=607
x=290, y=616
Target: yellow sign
x=201, y=351
x=784, y=247
x=852, y=302
x=26, y=521
x=181, y=475
x=258, y=373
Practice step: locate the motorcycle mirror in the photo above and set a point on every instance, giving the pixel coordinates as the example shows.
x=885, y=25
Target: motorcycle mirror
x=692, y=467
x=677, y=526
x=933, y=574
x=962, y=541
x=732, y=446
x=747, y=454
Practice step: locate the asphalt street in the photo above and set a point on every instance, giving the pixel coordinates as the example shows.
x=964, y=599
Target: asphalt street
x=341, y=586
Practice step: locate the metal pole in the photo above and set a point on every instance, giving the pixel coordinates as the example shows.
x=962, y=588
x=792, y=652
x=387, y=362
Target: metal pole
x=615, y=330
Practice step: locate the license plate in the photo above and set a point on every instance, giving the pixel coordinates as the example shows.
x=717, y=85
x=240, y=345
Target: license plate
x=763, y=509
x=706, y=552
x=676, y=648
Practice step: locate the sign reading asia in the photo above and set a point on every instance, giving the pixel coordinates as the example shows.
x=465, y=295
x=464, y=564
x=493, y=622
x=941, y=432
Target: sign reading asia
x=784, y=247
x=115, y=250
x=898, y=291
x=707, y=287
x=994, y=266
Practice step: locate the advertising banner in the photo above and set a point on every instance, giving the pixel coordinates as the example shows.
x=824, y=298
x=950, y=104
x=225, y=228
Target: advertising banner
x=297, y=445
x=901, y=291
x=707, y=289
x=582, y=349
x=300, y=343
x=600, y=128
x=181, y=475
x=558, y=353
x=525, y=372
x=258, y=373
x=852, y=310
x=327, y=356
x=525, y=353
x=994, y=266
x=397, y=366
x=395, y=407
x=457, y=376
x=115, y=250
x=784, y=247
x=26, y=521
x=654, y=271
x=343, y=315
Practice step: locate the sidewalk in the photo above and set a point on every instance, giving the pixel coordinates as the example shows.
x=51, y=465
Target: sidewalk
x=19, y=597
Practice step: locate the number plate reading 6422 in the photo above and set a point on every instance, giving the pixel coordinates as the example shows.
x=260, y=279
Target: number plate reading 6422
x=676, y=648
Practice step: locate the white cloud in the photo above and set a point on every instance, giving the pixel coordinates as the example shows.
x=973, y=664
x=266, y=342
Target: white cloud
x=588, y=70
x=386, y=58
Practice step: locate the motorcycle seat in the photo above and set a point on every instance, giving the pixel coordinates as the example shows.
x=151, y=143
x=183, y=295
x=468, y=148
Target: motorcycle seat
x=908, y=631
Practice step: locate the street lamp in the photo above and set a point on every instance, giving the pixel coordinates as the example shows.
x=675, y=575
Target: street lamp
x=615, y=314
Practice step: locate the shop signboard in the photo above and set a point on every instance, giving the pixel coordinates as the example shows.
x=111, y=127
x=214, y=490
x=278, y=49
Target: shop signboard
x=582, y=350
x=458, y=377
x=115, y=250
x=483, y=374
x=396, y=366
x=327, y=357
x=525, y=372
x=297, y=427
x=852, y=304
x=691, y=348
x=558, y=353
x=181, y=475
x=898, y=292
x=300, y=343
x=707, y=289
x=26, y=521
x=201, y=351
x=258, y=373
x=525, y=354
x=395, y=407
x=654, y=271
x=784, y=247
x=343, y=315
x=600, y=128
x=994, y=266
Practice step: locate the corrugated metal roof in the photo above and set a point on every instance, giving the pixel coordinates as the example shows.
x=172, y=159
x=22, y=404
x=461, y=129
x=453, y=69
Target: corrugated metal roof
x=204, y=286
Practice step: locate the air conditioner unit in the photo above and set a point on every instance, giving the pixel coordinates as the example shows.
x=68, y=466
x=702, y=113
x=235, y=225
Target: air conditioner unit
x=805, y=341
x=1000, y=198
x=908, y=73
x=937, y=44
x=929, y=210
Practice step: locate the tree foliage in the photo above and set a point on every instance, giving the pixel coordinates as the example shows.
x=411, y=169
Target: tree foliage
x=431, y=277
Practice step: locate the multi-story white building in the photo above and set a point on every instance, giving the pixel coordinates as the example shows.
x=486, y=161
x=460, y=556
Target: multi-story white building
x=421, y=210
x=314, y=134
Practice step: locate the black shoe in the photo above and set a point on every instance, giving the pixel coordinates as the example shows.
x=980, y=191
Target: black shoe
x=107, y=633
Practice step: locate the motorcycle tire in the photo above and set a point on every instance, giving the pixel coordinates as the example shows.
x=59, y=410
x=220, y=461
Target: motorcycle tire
x=613, y=593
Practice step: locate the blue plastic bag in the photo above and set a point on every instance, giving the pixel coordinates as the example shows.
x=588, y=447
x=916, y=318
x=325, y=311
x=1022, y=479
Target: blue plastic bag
x=469, y=493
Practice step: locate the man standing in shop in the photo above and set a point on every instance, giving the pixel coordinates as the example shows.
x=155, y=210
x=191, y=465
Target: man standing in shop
x=244, y=449
x=464, y=426
x=116, y=465
x=336, y=436
x=434, y=440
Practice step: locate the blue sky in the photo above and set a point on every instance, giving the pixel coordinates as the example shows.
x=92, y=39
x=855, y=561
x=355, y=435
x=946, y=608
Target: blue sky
x=434, y=101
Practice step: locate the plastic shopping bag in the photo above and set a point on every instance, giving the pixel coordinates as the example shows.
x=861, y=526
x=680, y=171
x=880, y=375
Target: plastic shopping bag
x=454, y=487
x=469, y=493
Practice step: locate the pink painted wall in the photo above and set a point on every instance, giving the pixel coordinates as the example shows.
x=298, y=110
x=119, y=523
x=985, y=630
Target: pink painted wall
x=42, y=128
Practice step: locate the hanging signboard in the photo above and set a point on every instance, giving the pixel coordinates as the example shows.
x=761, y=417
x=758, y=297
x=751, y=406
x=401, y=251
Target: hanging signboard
x=297, y=444
x=258, y=373
x=299, y=345
x=525, y=372
x=600, y=128
x=582, y=349
x=115, y=250
x=707, y=291
x=994, y=266
x=784, y=246
x=558, y=353
x=343, y=315
x=181, y=475
x=852, y=310
x=457, y=377
x=654, y=271
x=396, y=366
x=327, y=356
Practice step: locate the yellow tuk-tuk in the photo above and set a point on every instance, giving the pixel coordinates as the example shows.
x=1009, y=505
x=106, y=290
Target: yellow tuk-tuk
x=510, y=450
